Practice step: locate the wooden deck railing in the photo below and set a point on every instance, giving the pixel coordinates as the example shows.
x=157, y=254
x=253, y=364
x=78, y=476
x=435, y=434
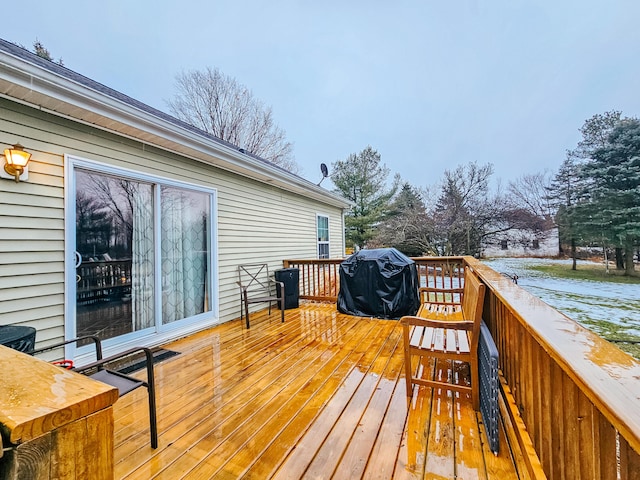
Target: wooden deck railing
x=575, y=396
x=103, y=280
x=320, y=279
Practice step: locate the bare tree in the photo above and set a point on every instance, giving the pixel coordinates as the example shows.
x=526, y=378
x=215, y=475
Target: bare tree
x=219, y=105
x=406, y=225
x=464, y=210
x=530, y=192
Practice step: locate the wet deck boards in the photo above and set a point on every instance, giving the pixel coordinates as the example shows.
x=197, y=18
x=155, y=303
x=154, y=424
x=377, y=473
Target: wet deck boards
x=319, y=396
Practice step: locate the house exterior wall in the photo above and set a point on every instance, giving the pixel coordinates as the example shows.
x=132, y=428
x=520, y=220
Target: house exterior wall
x=256, y=222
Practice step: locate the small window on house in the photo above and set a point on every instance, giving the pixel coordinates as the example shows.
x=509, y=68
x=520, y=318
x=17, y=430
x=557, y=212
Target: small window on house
x=536, y=243
x=323, y=236
x=503, y=244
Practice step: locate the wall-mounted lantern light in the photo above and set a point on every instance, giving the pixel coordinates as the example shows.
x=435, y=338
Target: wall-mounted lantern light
x=16, y=163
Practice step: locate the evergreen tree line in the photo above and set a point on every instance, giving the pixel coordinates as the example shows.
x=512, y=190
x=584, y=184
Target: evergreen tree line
x=596, y=192
x=593, y=199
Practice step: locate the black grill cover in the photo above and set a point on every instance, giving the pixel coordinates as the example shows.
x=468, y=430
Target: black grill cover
x=379, y=283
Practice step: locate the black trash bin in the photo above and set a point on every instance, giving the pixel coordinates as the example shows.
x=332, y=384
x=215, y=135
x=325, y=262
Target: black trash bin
x=291, y=278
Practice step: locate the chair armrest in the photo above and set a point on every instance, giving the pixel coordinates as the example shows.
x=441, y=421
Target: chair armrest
x=273, y=281
x=278, y=283
x=409, y=321
x=99, y=364
x=93, y=338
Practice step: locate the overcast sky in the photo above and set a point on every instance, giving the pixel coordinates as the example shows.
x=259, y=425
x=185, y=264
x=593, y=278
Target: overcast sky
x=430, y=84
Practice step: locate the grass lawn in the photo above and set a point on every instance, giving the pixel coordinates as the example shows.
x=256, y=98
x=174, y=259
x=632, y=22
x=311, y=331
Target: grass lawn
x=596, y=272
x=607, y=303
x=587, y=271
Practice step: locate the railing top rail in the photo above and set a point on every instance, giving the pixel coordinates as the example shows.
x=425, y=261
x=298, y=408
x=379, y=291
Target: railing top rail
x=439, y=259
x=314, y=261
x=307, y=261
x=104, y=262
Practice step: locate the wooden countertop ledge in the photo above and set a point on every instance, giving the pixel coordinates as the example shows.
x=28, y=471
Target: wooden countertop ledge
x=37, y=397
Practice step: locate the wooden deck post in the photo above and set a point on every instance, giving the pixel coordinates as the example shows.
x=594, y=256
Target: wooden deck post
x=54, y=423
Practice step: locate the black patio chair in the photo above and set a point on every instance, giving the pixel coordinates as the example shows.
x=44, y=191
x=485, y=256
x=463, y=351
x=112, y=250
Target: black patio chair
x=258, y=286
x=124, y=383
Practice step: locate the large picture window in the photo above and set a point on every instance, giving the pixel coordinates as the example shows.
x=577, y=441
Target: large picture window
x=143, y=253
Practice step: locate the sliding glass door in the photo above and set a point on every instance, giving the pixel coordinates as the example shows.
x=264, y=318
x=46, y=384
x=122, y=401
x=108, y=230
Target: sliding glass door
x=143, y=253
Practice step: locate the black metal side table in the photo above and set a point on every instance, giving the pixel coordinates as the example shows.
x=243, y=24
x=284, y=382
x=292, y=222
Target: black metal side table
x=18, y=337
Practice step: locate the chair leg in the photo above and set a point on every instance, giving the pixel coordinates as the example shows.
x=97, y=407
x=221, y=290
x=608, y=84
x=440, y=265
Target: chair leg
x=151, y=392
x=407, y=363
x=282, y=298
x=246, y=309
x=475, y=385
x=153, y=422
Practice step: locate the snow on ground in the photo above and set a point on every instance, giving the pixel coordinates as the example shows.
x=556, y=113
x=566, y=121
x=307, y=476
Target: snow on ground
x=610, y=309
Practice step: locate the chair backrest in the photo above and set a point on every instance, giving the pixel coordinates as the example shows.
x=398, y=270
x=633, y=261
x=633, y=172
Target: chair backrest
x=473, y=297
x=254, y=277
x=441, y=296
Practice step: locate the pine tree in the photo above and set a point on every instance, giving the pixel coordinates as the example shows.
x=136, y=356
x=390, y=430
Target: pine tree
x=362, y=179
x=612, y=199
x=563, y=194
x=569, y=192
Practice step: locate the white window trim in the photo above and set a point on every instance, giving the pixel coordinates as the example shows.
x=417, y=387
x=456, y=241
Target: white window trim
x=328, y=242
x=161, y=333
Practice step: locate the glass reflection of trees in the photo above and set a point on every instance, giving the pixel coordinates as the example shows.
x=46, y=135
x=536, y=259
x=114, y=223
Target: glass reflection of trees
x=104, y=215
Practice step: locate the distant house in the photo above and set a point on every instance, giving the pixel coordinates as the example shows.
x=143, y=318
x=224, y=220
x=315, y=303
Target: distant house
x=523, y=243
x=130, y=224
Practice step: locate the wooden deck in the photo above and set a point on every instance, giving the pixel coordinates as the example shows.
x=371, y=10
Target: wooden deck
x=319, y=396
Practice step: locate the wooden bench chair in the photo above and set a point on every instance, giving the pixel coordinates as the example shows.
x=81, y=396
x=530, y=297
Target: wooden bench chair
x=258, y=286
x=447, y=327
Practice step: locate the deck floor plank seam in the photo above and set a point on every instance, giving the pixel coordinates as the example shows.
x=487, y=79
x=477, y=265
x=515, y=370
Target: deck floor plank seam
x=232, y=380
x=298, y=424
x=356, y=457
x=314, y=401
x=316, y=437
x=344, y=429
